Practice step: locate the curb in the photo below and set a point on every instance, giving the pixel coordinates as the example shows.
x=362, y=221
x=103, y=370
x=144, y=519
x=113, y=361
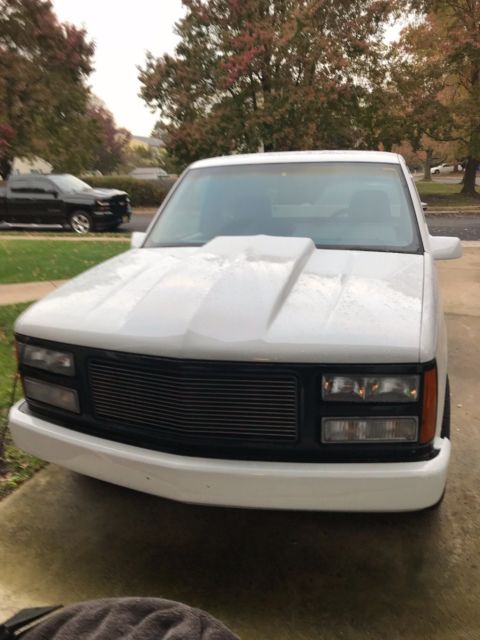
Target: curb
x=431, y=213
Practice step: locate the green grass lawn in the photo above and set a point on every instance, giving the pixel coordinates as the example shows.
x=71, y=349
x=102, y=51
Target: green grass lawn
x=437, y=194
x=27, y=261
x=32, y=260
x=15, y=466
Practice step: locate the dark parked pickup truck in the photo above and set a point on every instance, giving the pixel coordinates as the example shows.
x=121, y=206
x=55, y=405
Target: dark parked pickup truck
x=62, y=200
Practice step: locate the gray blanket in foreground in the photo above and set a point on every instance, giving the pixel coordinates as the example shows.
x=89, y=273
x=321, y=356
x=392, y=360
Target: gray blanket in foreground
x=130, y=619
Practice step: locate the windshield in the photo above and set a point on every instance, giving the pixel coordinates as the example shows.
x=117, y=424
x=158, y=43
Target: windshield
x=337, y=205
x=69, y=184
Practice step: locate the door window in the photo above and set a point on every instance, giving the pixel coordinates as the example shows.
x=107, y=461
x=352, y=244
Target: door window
x=41, y=189
x=20, y=188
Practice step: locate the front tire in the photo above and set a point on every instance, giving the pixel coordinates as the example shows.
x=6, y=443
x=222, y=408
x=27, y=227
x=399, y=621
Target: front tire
x=80, y=222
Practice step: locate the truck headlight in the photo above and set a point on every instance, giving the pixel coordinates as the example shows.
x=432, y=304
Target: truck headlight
x=47, y=359
x=368, y=430
x=52, y=394
x=381, y=388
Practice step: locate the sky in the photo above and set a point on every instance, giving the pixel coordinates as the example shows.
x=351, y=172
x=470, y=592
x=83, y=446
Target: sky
x=123, y=32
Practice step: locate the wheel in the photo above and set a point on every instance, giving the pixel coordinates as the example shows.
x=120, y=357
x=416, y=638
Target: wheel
x=445, y=433
x=80, y=222
x=436, y=173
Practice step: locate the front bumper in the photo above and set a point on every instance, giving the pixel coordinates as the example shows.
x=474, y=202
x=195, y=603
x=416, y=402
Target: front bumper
x=397, y=486
x=107, y=218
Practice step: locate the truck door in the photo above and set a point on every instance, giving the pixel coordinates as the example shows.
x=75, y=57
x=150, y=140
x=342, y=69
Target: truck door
x=18, y=191
x=44, y=206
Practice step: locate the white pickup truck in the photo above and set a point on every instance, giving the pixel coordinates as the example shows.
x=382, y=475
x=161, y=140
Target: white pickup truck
x=275, y=340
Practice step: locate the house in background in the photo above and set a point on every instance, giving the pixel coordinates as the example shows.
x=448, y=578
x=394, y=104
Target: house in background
x=147, y=143
x=23, y=166
x=145, y=155
x=148, y=173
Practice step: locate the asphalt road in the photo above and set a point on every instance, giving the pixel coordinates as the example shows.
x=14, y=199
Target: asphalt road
x=466, y=227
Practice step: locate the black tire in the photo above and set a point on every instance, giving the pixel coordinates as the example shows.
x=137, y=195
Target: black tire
x=445, y=433
x=80, y=222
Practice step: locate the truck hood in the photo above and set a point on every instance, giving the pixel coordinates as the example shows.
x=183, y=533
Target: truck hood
x=256, y=298
x=91, y=195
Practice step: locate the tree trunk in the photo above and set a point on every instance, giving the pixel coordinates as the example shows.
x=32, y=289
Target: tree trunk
x=427, y=176
x=5, y=167
x=469, y=178
x=268, y=144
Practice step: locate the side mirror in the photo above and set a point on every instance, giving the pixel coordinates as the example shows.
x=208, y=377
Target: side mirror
x=53, y=193
x=424, y=206
x=137, y=239
x=445, y=247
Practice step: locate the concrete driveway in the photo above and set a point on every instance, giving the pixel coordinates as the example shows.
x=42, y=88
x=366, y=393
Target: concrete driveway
x=271, y=575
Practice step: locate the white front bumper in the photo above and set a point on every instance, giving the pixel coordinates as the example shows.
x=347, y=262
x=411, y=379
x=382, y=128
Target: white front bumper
x=399, y=486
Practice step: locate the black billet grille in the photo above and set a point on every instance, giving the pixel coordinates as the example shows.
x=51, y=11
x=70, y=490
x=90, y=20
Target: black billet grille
x=119, y=204
x=190, y=402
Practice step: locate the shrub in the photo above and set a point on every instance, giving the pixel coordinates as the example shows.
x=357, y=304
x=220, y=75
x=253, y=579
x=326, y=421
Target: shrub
x=143, y=193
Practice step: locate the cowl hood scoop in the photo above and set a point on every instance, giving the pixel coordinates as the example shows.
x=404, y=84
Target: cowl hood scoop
x=243, y=298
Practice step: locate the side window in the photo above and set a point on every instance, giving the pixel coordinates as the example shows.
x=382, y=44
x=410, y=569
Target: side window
x=20, y=187
x=191, y=198
x=32, y=188
x=38, y=186
x=41, y=189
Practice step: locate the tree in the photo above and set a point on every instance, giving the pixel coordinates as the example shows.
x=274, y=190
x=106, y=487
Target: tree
x=164, y=158
x=6, y=137
x=266, y=74
x=94, y=142
x=440, y=77
x=43, y=68
x=110, y=143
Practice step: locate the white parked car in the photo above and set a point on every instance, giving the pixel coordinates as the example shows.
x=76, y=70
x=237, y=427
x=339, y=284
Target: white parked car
x=445, y=167
x=276, y=339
